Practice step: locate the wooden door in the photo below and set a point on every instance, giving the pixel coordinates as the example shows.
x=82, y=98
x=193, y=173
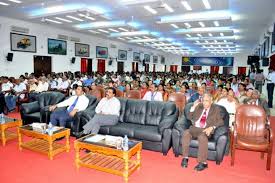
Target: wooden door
x=185, y=68
x=154, y=67
x=146, y=68
x=174, y=68
x=134, y=66
x=241, y=70
x=42, y=64
x=83, y=65
x=90, y=66
x=120, y=67
x=165, y=68
x=101, y=65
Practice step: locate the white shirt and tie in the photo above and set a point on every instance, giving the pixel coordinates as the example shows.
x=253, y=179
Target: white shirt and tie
x=80, y=105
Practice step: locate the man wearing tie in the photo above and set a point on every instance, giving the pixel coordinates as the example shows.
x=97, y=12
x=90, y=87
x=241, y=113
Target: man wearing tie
x=74, y=104
x=205, y=117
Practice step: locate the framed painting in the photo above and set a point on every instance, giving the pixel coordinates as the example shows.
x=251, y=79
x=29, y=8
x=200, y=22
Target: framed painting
x=155, y=59
x=122, y=55
x=82, y=50
x=136, y=56
x=147, y=57
x=101, y=52
x=57, y=47
x=22, y=42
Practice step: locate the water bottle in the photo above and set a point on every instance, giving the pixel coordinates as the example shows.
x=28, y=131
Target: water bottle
x=125, y=146
x=50, y=128
x=2, y=118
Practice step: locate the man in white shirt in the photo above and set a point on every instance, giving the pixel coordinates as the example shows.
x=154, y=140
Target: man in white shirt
x=6, y=86
x=153, y=94
x=42, y=86
x=107, y=113
x=74, y=104
x=17, y=92
x=64, y=84
x=270, y=79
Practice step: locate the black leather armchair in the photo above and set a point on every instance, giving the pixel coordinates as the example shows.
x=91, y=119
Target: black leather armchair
x=35, y=111
x=217, y=144
x=149, y=122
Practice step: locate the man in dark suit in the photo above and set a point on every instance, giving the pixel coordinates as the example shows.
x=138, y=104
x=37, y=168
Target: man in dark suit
x=256, y=100
x=205, y=117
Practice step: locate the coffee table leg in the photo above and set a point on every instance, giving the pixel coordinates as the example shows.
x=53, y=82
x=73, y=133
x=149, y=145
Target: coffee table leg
x=3, y=137
x=51, y=149
x=126, y=169
x=19, y=140
x=139, y=159
x=68, y=142
x=77, y=157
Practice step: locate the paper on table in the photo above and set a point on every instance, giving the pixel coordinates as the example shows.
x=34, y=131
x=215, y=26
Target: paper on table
x=95, y=138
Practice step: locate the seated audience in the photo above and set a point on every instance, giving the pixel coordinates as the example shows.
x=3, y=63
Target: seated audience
x=198, y=95
x=153, y=94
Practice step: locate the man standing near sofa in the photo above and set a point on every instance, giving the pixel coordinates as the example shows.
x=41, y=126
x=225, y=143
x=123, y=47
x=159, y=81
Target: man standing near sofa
x=205, y=117
x=107, y=113
x=74, y=104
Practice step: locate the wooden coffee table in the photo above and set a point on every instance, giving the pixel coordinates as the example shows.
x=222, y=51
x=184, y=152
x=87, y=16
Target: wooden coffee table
x=107, y=158
x=44, y=143
x=6, y=134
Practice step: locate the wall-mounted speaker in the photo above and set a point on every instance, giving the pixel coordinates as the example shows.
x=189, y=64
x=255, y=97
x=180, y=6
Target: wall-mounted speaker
x=110, y=62
x=10, y=57
x=73, y=60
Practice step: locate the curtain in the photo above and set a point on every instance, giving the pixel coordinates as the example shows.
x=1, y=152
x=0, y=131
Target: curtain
x=83, y=65
x=214, y=69
x=241, y=70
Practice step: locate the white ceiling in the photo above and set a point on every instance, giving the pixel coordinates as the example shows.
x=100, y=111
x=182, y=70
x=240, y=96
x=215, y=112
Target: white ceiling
x=240, y=22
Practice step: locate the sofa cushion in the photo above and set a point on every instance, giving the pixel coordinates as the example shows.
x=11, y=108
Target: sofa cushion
x=135, y=111
x=104, y=130
x=150, y=133
x=123, y=102
x=154, y=112
x=122, y=129
x=34, y=116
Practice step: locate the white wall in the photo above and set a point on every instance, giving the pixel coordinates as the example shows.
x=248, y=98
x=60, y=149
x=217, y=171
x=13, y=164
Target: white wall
x=23, y=62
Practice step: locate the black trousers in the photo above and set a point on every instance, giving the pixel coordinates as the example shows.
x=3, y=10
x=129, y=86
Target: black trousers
x=2, y=103
x=270, y=91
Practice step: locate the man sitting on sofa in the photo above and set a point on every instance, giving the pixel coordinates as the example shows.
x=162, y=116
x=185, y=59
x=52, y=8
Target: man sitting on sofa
x=74, y=104
x=107, y=113
x=205, y=117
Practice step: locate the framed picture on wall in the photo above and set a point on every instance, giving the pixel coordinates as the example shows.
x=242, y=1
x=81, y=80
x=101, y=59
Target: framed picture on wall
x=122, y=55
x=101, y=52
x=136, y=56
x=57, y=47
x=82, y=50
x=147, y=57
x=22, y=42
x=155, y=59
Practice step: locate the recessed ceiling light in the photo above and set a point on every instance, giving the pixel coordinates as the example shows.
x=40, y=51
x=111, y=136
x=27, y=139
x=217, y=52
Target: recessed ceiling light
x=175, y=26
x=209, y=34
x=74, y=18
x=113, y=30
x=221, y=34
x=85, y=16
x=197, y=42
x=187, y=25
x=123, y=29
x=151, y=10
x=53, y=21
x=15, y=1
x=146, y=37
x=224, y=41
x=93, y=31
x=215, y=41
x=206, y=41
x=137, y=37
x=186, y=5
x=199, y=35
x=121, y=38
x=128, y=38
x=206, y=4
x=63, y=19
x=201, y=24
x=101, y=30
x=168, y=8
x=4, y=4
x=216, y=23
x=188, y=35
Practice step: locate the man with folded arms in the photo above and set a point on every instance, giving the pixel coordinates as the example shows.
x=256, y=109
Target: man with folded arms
x=205, y=117
x=107, y=113
x=74, y=104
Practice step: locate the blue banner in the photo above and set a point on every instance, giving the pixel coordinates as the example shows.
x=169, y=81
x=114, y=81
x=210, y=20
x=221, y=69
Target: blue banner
x=208, y=61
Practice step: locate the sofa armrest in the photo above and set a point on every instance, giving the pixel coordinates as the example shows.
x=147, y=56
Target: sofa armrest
x=31, y=107
x=219, y=131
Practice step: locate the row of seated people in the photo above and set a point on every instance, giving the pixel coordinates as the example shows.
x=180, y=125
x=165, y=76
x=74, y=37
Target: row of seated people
x=207, y=122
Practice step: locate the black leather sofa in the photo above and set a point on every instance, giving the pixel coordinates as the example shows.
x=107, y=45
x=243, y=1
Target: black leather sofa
x=149, y=122
x=217, y=144
x=35, y=111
